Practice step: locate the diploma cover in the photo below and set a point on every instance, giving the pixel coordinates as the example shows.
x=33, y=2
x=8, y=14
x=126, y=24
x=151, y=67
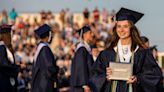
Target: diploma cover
x=121, y=71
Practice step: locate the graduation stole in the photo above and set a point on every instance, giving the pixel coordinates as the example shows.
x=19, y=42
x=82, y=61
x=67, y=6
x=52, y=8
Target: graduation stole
x=114, y=82
x=41, y=45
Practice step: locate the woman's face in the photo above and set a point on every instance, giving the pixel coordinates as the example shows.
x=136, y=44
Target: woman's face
x=123, y=29
x=89, y=35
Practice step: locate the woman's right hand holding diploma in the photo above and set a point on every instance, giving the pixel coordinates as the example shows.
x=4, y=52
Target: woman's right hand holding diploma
x=108, y=73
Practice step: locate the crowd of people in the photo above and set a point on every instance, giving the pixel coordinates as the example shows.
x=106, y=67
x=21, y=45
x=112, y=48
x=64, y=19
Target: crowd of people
x=63, y=44
x=64, y=40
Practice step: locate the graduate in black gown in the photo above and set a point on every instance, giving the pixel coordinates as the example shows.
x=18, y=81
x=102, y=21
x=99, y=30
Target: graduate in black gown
x=126, y=47
x=8, y=68
x=82, y=62
x=44, y=73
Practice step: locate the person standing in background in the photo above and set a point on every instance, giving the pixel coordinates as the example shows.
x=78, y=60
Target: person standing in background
x=82, y=62
x=96, y=15
x=44, y=73
x=13, y=15
x=4, y=17
x=86, y=15
x=8, y=68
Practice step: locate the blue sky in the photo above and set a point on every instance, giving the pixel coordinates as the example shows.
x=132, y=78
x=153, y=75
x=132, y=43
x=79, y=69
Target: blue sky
x=151, y=25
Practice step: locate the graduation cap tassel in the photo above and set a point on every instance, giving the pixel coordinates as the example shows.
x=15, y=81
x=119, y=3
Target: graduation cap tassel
x=114, y=86
x=114, y=82
x=49, y=38
x=114, y=18
x=130, y=88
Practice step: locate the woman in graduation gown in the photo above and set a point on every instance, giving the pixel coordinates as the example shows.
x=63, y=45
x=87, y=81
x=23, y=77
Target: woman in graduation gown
x=126, y=47
x=82, y=62
x=8, y=68
x=44, y=73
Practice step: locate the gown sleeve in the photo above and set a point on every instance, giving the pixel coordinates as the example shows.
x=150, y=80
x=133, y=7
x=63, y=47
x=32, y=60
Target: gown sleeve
x=98, y=73
x=80, y=68
x=151, y=75
x=50, y=63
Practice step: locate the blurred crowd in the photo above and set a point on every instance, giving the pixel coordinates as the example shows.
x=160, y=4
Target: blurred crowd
x=65, y=38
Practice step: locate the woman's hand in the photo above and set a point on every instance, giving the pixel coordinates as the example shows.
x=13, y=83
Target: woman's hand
x=132, y=79
x=86, y=88
x=108, y=73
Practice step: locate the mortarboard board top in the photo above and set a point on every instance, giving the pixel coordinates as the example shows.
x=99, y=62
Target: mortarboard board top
x=153, y=47
x=127, y=14
x=43, y=31
x=5, y=28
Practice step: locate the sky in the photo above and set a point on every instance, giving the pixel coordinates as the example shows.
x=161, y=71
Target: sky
x=151, y=25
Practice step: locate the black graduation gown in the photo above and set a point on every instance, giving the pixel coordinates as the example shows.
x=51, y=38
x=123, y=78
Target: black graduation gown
x=44, y=72
x=81, y=69
x=7, y=71
x=145, y=68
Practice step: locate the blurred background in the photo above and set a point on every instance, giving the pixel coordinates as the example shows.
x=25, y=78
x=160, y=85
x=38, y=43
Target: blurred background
x=65, y=17
x=151, y=25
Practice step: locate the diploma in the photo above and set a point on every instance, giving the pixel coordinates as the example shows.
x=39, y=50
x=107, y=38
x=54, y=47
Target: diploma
x=121, y=71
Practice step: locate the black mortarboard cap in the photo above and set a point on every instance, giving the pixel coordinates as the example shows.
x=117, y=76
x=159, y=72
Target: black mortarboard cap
x=127, y=14
x=43, y=31
x=144, y=39
x=153, y=47
x=84, y=29
x=5, y=29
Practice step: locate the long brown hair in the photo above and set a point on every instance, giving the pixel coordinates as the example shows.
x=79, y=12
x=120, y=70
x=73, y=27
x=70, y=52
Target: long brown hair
x=135, y=36
x=6, y=38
